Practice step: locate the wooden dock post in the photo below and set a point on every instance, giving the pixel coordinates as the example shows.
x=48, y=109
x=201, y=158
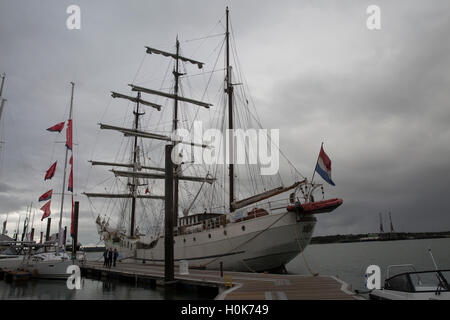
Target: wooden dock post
x=168, y=211
x=47, y=234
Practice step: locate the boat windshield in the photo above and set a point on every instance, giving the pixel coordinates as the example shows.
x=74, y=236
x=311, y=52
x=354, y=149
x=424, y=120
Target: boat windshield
x=425, y=281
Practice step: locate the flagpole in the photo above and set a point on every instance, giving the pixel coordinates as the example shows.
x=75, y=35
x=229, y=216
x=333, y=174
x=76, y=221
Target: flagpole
x=314, y=173
x=65, y=171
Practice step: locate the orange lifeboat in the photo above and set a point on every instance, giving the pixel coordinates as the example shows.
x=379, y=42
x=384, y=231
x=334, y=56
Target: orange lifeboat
x=315, y=207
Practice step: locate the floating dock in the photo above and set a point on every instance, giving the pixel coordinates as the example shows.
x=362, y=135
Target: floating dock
x=234, y=285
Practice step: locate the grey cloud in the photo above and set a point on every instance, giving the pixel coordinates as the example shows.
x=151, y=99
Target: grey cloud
x=379, y=100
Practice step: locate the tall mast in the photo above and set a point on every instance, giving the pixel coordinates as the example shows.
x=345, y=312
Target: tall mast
x=135, y=164
x=177, y=75
x=229, y=91
x=65, y=171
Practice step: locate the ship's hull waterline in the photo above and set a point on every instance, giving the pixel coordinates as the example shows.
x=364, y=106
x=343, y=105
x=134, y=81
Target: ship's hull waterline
x=261, y=244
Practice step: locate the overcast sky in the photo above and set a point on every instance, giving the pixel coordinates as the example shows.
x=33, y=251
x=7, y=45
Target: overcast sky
x=378, y=99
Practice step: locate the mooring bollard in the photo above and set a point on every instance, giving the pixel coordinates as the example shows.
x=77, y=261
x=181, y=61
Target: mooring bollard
x=228, y=281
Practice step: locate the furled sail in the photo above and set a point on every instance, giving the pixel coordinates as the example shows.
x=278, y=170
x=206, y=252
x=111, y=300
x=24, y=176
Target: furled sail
x=126, y=165
x=169, y=95
x=148, y=175
x=175, y=56
x=121, y=196
x=148, y=135
x=265, y=195
x=135, y=99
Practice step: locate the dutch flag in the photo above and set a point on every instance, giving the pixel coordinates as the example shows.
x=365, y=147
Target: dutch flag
x=323, y=166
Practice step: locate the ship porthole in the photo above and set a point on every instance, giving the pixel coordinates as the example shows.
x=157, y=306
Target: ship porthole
x=243, y=228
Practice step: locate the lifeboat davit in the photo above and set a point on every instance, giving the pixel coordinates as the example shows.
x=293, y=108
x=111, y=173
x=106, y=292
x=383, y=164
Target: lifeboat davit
x=316, y=207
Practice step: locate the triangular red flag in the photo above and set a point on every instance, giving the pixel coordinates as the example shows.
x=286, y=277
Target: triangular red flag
x=57, y=128
x=70, y=187
x=46, y=196
x=69, y=134
x=46, y=209
x=50, y=172
x=147, y=191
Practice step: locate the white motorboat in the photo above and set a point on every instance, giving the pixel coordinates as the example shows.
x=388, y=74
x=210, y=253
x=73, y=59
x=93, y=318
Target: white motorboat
x=414, y=285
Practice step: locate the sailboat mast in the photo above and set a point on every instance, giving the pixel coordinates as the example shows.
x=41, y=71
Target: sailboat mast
x=1, y=86
x=135, y=155
x=65, y=170
x=229, y=91
x=2, y=101
x=176, y=74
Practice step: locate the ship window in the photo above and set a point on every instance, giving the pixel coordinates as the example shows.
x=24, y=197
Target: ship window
x=194, y=239
x=209, y=235
x=243, y=228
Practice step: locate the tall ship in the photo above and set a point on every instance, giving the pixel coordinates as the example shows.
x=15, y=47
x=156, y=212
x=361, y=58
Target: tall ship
x=226, y=214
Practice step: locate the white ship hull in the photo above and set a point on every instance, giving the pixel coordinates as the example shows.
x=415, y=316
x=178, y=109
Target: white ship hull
x=260, y=244
x=11, y=262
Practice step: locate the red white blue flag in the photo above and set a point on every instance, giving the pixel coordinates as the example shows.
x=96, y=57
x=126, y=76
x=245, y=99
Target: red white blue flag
x=323, y=167
x=46, y=196
x=57, y=128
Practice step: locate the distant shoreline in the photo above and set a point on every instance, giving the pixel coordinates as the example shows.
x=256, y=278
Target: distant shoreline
x=347, y=238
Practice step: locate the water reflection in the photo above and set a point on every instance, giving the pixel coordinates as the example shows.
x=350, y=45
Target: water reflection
x=94, y=289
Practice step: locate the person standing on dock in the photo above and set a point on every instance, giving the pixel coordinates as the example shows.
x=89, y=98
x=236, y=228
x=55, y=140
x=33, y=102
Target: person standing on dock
x=115, y=256
x=110, y=256
x=105, y=258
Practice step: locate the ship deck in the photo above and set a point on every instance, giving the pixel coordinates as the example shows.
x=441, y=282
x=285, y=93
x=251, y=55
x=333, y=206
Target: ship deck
x=244, y=286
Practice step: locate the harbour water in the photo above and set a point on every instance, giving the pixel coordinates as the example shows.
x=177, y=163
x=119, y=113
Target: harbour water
x=347, y=261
